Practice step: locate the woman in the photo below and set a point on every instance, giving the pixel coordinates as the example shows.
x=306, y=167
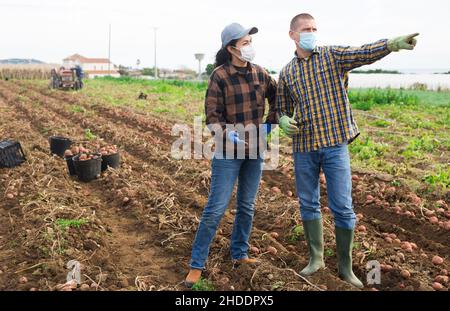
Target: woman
x=236, y=96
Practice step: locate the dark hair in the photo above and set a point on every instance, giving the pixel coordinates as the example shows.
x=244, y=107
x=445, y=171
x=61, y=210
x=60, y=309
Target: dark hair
x=223, y=56
x=298, y=17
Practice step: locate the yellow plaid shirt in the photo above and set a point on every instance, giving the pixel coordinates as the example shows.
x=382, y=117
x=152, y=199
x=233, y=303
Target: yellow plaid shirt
x=316, y=88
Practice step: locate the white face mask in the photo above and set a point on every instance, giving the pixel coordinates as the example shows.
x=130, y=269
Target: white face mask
x=247, y=53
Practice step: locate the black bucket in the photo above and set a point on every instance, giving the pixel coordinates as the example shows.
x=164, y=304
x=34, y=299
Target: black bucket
x=59, y=144
x=70, y=165
x=88, y=170
x=112, y=160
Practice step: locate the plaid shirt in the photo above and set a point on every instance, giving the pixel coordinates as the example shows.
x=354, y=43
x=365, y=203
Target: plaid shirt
x=234, y=97
x=317, y=87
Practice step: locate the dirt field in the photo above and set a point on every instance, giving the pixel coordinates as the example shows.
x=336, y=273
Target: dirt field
x=132, y=229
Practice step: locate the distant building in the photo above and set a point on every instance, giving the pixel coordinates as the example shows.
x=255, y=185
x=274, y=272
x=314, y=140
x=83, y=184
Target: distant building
x=92, y=67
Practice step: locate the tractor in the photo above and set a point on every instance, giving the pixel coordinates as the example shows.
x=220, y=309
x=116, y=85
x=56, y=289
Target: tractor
x=66, y=79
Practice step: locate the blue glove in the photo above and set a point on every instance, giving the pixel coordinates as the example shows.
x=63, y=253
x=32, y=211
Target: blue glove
x=233, y=136
x=268, y=128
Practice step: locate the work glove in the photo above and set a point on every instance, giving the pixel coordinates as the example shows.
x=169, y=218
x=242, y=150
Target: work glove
x=288, y=124
x=268, y=128
x=402, y=43
x=233, y=136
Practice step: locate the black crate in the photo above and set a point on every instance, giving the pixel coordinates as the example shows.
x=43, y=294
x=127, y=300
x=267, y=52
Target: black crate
x=11, y=153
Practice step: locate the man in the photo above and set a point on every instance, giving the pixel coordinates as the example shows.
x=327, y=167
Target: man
x=312, y=89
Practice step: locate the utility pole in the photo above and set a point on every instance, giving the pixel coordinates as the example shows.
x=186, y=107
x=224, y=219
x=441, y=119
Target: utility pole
x=156, y=68
x=109, y=51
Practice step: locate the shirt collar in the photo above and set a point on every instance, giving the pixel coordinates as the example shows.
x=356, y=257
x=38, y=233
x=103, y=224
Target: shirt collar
x=251, y=69
x=315, y=51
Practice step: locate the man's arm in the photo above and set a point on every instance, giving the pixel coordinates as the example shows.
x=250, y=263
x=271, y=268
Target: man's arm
x=286, y=108
x=271, y=95
x=285, y=104
x=353, y=57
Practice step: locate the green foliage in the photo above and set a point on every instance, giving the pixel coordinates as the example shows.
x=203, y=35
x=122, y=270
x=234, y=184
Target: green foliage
x=366, y=148
x=203, y=285
x=89, y=135
x=296, y=233
x=367, y=99
x=74, y=223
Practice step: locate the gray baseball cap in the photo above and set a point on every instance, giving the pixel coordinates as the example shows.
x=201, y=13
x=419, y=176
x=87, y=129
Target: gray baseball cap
x=236, y=31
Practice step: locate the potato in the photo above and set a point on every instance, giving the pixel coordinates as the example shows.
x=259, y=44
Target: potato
x=386, y=268
x=437, y=260
x=443, y=279
x=75, y=150
x=83, y=157
x=10, y=196
x=362, y=228
x=405, y=274
x=83, y=150
x=444, y=272
x=388, y=240
x=369, y=198
x=355, y=177
x=446, y=225
x=433, y=220
x=272, y=250
x=359, y=216
x=275, y=190
x=289, y=193
x=254, y=250
x=407, y=247
x=392, y=235
x=23, y=280
x=68, y=153
x=274, y=235
x=437, y=286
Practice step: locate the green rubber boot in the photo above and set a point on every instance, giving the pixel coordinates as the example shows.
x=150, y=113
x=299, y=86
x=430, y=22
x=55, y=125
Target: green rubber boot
x=314, y=238
x=344, y=247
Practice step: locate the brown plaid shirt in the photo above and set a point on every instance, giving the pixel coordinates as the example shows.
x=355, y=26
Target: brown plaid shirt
x=234, y=97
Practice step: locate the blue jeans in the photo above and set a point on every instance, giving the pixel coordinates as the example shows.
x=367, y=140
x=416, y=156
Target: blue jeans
x=224, y=173
x=335, y=163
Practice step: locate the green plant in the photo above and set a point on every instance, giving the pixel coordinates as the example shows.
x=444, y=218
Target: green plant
x=89, y=135
x=277, y=285
x=203, y=285
x=367, y=99
x=365, y=148
x=77, y=108
x=329, y=252
x=66, y=223
x=441, y=178
x=380, y=123
x=296, y=233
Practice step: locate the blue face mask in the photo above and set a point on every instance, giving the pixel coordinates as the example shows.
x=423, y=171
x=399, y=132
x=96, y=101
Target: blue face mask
x=308, y=41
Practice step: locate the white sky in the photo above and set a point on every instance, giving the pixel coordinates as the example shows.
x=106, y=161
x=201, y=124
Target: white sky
x=50, y=30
